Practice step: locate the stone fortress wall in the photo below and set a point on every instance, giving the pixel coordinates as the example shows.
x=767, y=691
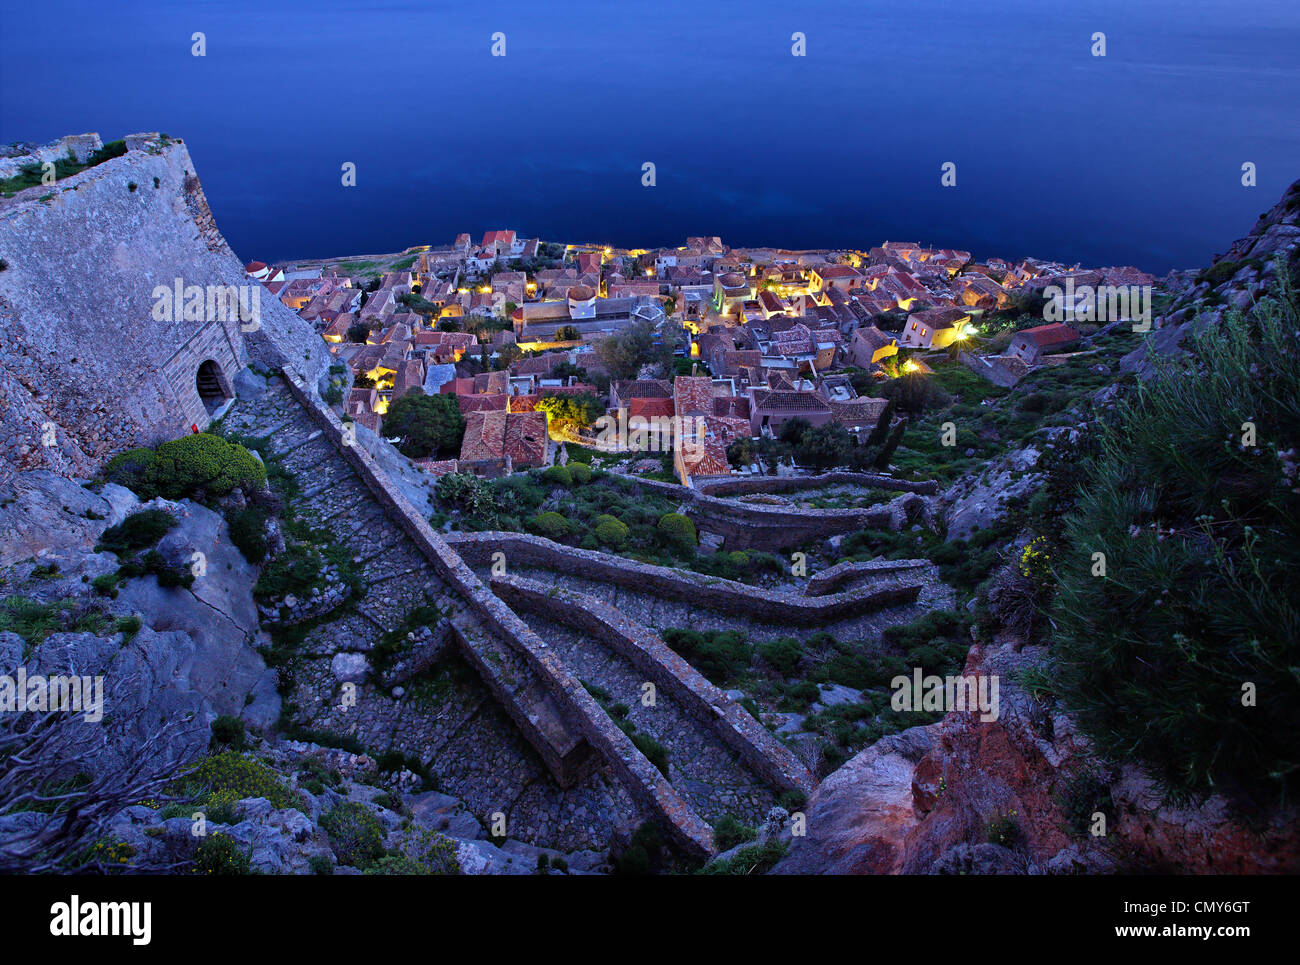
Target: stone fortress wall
x=86, y=369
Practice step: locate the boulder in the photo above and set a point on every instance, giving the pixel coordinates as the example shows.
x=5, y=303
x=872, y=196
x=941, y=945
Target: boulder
x=350, y=667
x=859, y=816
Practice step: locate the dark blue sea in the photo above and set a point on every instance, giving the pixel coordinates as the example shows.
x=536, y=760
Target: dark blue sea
x=1135, y=157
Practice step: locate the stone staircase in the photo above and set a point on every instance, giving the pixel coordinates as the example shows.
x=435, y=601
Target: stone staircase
x=506, y=727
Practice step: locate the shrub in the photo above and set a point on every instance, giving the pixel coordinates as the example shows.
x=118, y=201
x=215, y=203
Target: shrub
x=228, y=730
x=654, y=751
x=558, y=476
x=610, y=532
x=719, y=655
x=643, y=854
x=219, y=854
x=131, y=469
x=677, y=532
x=580, y=472
x=296, y=570
x=355, y=834
x=435, y=855
x=756, y=859
x=1202, y=551
x=1003, y=830
x=551, y=525
x=783, y=655
x=137, y=532
x=248, y=533
x=468, y=493
x=729, y=832
x=204, y=462
x=233, y=774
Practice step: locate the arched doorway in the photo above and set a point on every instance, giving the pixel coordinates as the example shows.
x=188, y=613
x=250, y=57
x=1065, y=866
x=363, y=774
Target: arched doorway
x=213, y=388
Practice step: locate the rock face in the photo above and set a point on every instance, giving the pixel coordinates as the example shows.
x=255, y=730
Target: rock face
x=927, y=801
x=979, y=502
x=860, y=816
x=1234, y=280
x=87, y=367
x=195, y=652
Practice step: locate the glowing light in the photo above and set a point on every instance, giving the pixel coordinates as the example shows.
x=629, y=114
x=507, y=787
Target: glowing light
x=910, y=366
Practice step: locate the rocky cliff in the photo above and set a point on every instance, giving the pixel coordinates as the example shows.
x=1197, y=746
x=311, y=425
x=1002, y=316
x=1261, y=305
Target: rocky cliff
x=89, y=364
x=1028, y=792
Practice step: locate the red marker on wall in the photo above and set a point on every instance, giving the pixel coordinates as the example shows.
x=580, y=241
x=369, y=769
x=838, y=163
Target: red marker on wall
x=194, y=428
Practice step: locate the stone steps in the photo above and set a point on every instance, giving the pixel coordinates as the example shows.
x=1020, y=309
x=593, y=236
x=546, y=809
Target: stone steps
x=590, y=624
x=708, y=774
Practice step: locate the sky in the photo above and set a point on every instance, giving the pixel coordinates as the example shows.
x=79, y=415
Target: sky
x=1131, y=158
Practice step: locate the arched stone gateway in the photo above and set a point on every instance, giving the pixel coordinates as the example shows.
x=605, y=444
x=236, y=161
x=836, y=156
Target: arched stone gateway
x=213, y=387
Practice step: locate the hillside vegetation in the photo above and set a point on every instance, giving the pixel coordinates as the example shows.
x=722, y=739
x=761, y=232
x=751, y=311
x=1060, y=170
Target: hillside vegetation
x=1184, y=655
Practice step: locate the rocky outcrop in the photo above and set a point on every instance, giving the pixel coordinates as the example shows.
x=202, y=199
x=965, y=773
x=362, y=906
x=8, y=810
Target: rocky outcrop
x=295, y=840
x=1235, y=279
x=196, y=646
x=1018, y=795
x=858, y=819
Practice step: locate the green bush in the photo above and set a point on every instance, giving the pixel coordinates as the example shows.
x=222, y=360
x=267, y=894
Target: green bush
x=233, y=775
x=355, y=834
x=580, y=472
x=558, y=476
x=131, y=469
x=729, y=832
x=204, y=462
x=717, y=654
x=296, y=570
x=428, y=424
x=677, y=532
x=219, y=854
x=1201, y=535
x=551, y=525
x=783, y=655
x=644, y=854
x=228, y=730
x=248, y=533
x=137, y=532
x=610, y=532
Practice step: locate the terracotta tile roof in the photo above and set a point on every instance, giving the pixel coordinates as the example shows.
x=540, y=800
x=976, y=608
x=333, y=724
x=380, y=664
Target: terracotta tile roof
x=1045, y=336
x=437, y=467
x=858, y=412
x=731, y=406
x=492, y=382
x=496, y=434
x=649, y=408
x=735, y=359
x=525, y=438
x=642, y=389
x=836, y=271
x=789, y=400
x=692, y=395
x=485, y=436
x=522, y=403
x=496, y=402
x=493, y=237
x=539, y=365
x=708, y=460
